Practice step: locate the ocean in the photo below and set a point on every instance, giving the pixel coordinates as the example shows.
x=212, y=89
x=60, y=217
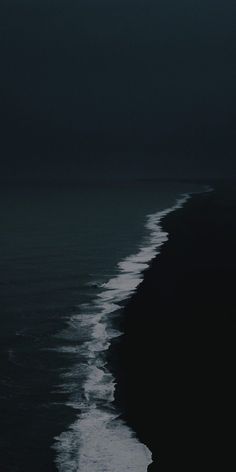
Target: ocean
x=71, y=256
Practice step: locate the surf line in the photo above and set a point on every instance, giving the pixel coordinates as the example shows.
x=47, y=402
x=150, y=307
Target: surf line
x=98, y=439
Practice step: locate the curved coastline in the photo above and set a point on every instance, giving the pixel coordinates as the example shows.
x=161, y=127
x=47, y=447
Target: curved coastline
x=168, y=364
x=117, y=446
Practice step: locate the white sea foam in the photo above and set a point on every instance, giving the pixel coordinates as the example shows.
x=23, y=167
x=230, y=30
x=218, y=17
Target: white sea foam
x=99, y=441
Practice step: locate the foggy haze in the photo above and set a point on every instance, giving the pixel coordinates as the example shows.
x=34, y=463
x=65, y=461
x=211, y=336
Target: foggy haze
x=102, y=88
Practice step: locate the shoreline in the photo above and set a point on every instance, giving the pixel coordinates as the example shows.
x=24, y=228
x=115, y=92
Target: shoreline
x=116, y=447
x=169, y=368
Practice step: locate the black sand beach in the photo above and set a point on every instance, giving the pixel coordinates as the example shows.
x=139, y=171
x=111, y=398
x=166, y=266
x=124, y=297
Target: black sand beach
x=175, y=363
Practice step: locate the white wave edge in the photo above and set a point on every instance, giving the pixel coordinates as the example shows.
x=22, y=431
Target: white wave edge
x=98, y=441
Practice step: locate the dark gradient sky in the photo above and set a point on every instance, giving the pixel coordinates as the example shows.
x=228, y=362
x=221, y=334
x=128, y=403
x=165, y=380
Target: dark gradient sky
x=116, y=87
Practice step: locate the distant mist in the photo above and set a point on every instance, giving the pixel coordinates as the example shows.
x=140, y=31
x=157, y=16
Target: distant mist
x=101, y=88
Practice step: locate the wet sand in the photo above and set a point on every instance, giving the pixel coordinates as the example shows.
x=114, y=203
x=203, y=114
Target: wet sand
x=175, y=363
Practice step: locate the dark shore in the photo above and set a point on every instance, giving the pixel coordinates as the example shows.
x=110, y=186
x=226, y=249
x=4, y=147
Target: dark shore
x=175, y=364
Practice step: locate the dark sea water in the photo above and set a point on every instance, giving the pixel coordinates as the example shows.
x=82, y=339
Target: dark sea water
x=71, y=255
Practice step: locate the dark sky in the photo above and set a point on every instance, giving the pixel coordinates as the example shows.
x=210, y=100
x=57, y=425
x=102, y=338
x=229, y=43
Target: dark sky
x=102, y=87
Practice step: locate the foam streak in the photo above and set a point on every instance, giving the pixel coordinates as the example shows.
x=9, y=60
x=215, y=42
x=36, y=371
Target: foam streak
x=99, y=441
